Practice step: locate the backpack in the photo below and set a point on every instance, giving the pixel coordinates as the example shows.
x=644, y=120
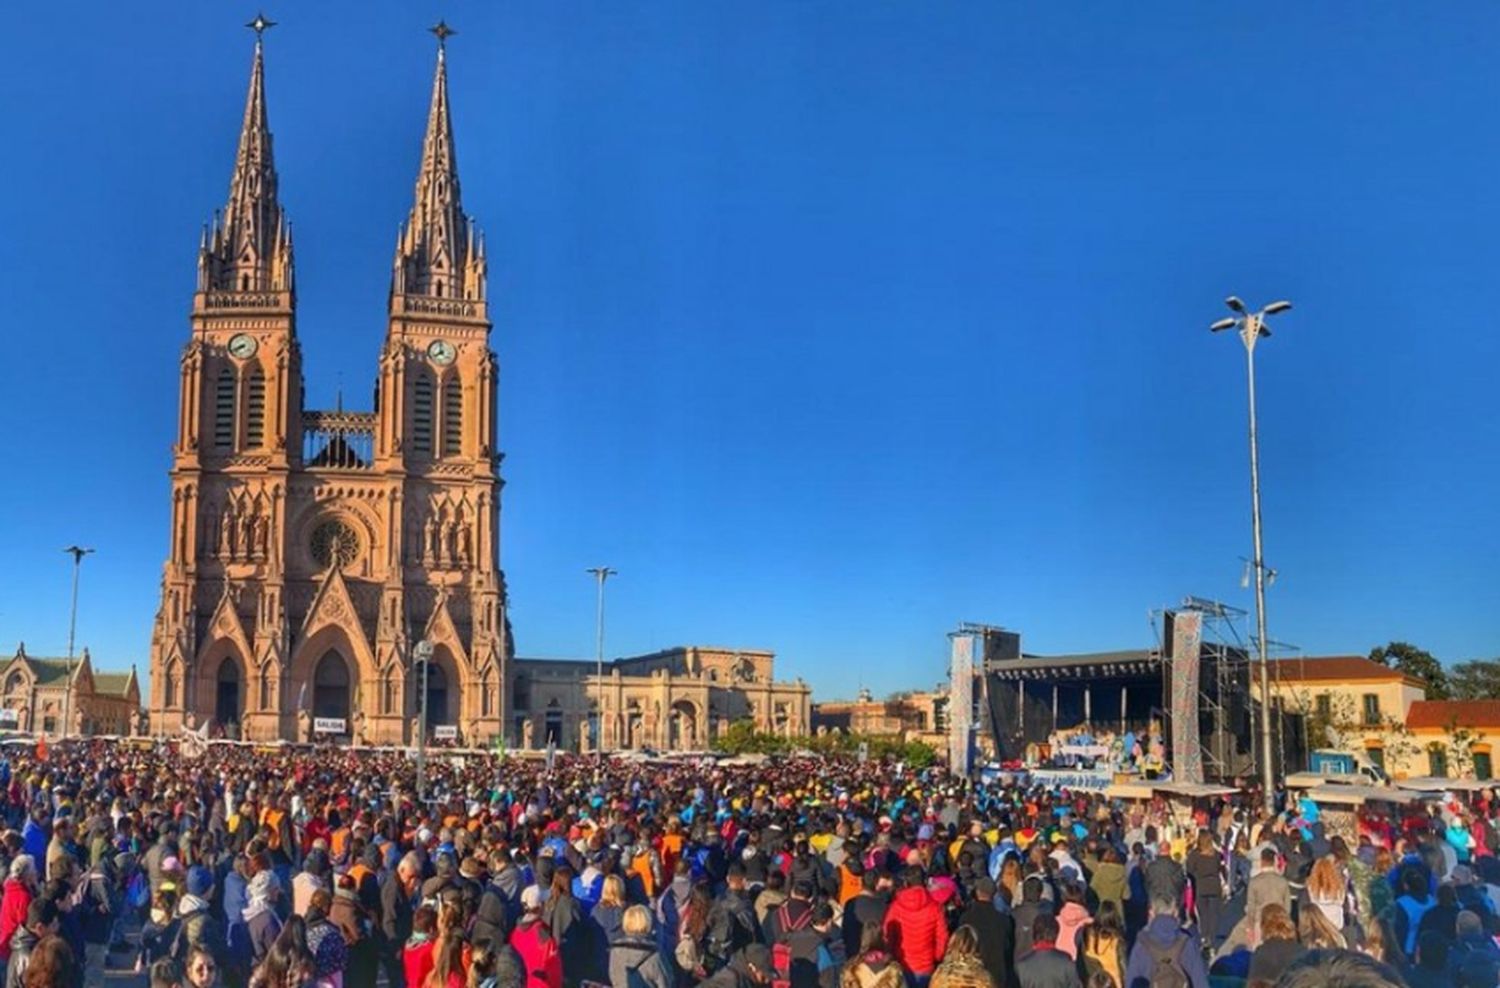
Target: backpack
x=781, y=950
x=1166, y=963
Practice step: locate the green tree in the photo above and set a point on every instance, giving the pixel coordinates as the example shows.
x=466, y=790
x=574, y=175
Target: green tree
x=1416, y=663
x=1478, y=679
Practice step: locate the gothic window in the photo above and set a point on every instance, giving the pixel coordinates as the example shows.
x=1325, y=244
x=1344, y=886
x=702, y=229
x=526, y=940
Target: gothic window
x=255, y=410
x=334, y=542
x=421, y=413
x=453, y=417
x=224, y=410
x=14, y=683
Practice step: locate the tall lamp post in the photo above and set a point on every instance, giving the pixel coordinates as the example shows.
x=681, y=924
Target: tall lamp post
x=1251, y=327
x=601, y=573
x=77, y=552
x=423, y=652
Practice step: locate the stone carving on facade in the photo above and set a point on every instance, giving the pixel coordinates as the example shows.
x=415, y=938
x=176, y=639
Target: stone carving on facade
x=304, y=726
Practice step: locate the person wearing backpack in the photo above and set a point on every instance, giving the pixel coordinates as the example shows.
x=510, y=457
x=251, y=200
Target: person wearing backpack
x=199, y=926
x=1044, y=966
x=635, y=958
x=1165, y=954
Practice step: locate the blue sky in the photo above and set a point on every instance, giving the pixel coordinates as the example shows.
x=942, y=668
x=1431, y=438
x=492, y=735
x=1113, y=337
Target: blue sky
x=828, y=325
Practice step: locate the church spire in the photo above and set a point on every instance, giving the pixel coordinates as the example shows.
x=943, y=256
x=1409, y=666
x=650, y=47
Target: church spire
x=435, y=252
x=249, y=247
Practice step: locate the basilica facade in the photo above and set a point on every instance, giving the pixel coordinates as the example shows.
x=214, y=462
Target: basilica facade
x=312, y=549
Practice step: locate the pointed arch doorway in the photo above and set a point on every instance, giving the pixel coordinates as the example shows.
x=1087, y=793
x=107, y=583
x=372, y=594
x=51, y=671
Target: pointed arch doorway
x=330, y=686
x=228, y=693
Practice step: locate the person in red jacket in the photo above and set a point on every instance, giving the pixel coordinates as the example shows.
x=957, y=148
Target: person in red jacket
x=916, y=931
x=541, y=957
x=19, y=892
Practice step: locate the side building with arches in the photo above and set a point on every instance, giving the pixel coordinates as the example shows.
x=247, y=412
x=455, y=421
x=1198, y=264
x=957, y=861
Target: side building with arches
x=678, y=699
x=310, y=550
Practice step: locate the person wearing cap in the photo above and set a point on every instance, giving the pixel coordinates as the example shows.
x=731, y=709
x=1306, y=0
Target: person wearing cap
x=199, y=926
x=532, y=939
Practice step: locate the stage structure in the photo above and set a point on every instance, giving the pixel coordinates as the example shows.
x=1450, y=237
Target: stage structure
x=1035, y=701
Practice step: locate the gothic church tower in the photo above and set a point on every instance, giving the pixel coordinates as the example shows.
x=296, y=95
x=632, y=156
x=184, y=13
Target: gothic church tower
x=312, y=551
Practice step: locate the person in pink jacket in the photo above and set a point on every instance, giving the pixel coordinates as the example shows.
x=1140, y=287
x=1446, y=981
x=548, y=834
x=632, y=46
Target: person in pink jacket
x=1071, y=919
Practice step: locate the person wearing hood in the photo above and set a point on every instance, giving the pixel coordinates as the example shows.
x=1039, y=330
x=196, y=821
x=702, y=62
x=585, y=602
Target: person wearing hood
x=1162, y=940
x=500, y=903
x=915, y=927
x=873, y=966
x=673, y=901
x=261, y=925
x=750, y=968
x=199, y=927
x=532, y=940
x=636, y=952
x=35, y=835
x=41, y=921
x=349, y=916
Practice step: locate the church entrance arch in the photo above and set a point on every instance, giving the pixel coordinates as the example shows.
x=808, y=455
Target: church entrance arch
x=229, y=693
x=437, y=692
x=331, y=686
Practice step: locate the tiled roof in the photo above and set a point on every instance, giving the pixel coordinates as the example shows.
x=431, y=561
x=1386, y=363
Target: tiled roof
x=111, y=683
x=1335, y=668
x=49, y=671
x=1464, y=713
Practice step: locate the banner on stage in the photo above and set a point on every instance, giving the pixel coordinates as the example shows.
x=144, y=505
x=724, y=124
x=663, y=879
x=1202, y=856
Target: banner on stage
x=1059, y=778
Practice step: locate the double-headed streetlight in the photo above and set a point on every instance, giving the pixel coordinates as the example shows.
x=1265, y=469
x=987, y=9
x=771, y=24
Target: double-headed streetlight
x=1252, y=326
x=77, y=552
x=601, y=573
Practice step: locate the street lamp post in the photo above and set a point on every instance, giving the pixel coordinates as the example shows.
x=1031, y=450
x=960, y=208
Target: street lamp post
x=601, y=573
x=423, y=653
x=77, y=552
x=1251, y=327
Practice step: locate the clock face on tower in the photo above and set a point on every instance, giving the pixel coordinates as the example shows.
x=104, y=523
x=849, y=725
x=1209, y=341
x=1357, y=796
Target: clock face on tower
x=242, y=346
x=441, y=352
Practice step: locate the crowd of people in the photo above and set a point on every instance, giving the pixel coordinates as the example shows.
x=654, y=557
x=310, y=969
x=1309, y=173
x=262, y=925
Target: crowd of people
x=292, y=868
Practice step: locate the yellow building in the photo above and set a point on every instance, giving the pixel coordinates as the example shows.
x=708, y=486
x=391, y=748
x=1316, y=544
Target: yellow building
x=678, y=699
x=1350, y=703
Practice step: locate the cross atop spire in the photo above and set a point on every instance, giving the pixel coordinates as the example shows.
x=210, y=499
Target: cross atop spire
x=260, y=25
x=436, y=253
x=249, y=247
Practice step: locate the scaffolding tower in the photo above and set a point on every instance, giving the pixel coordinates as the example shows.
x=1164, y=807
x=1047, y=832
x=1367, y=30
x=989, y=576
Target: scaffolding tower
x=1224, y=688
